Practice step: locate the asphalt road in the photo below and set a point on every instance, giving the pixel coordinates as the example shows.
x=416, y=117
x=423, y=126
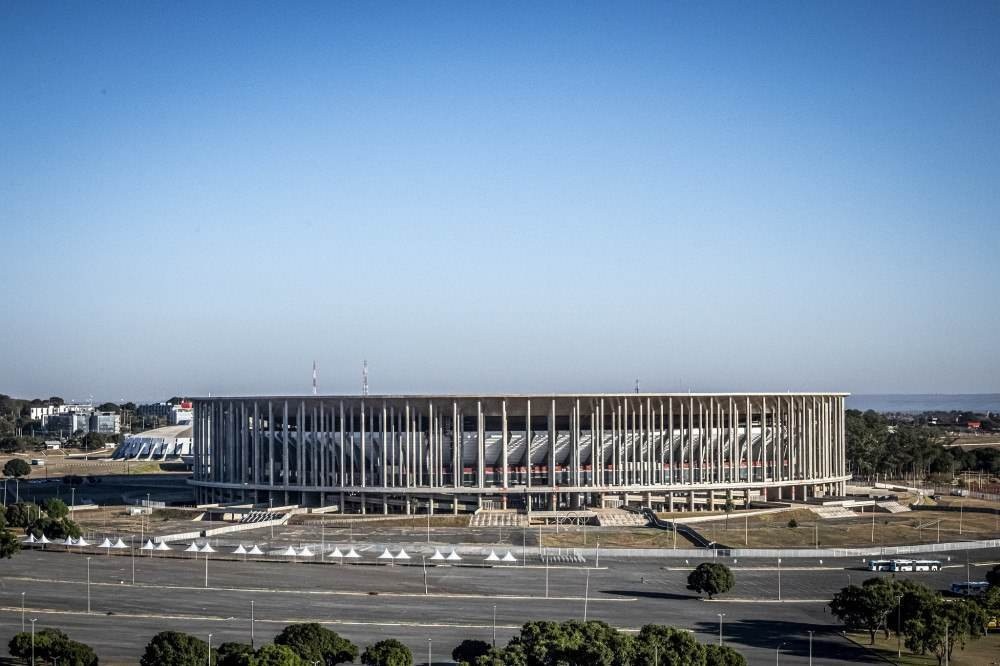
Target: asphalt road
x=366, y=603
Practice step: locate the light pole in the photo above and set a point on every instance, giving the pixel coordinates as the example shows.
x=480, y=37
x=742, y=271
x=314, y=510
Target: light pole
x=88, y=586
x=586, y=595
x=777, y=653
x=270, y=518
x=210, y=650
x=899, y=626
x=429, y=660
x=423, y=561
x=810, y=647
x=131, y=541
x=206, y=569
x=494, y=625
x=33, y=621
x=721, y=615
x=546, y=577
x=251, y=624
x=22, y=612
x=779, y=579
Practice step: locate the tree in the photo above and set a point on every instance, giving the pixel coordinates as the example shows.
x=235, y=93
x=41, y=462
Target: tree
x=508, y=656
x=277, y=655
x=16, y=468
x=93, y=441
x=573, y=642
x=9, y=544
x=389, y=652
x=469, y=650
x=52, y=645
x=108, y=407
x=993, y=576
x=940, y=625
x=234, y=654
x=55, y=507
x=729, y=507
x=313, y=642
x=175, y=648
x=866, y=608
x=712, y=578
x=658, y=644
x=22, y=514
x=723, y=655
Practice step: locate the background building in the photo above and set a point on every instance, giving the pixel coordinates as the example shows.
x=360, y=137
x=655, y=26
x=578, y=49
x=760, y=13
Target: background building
x=168, y=442
x=106, y=423
x=388, y=453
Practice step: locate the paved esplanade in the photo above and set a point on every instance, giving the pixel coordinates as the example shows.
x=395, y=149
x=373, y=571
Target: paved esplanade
x=368, y=603
x=397, y=453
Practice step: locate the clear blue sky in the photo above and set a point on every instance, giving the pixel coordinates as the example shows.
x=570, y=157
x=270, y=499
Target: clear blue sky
x=205, y=197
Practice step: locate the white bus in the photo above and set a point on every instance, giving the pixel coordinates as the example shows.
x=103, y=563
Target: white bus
x=879, y=565
x=915, y=565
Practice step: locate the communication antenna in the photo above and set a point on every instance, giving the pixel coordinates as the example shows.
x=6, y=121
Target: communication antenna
x=364, y=378
x=314, y=377
x=636, y=384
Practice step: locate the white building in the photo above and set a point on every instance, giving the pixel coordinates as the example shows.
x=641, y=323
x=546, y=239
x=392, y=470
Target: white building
x=156, y=444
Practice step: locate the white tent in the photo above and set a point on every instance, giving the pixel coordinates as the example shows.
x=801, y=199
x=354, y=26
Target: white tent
x=255, y=550
x=82, y=542
x=148, y=545
x=453, y=556
x=352, y=554
x=119, y=544
x=69, y=541
x=305, y=552
x=207, y=548
x=437, y=554
x=31, y=538
x=240, y=550
x=193, y=548
x=162, y=546
x=386, y=555
x=289, y=552
x=336, y=553
x=492, y=557
x=44, y=539
x=509, y=557
x=106, y=543
x=402, y=555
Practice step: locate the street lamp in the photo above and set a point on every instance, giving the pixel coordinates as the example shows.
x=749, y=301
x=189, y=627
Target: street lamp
x=899, y=626
x=88, y=585
x=210, y=650
x=777, y=653
x=779, y=579
x=586, y=595
x=33, y=621
x=494, y=625
x=429, y=660
x=721, y=615
x=22, y=612
x=251, y=624
x=810, y=647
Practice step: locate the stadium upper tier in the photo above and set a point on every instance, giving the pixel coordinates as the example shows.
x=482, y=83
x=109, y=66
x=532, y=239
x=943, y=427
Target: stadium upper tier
x=549, y=450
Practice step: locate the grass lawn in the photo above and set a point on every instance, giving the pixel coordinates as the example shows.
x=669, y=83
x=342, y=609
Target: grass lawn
x=984, y=651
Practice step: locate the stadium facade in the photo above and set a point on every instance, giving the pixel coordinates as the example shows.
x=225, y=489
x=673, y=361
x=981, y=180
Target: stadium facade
x=397, y=453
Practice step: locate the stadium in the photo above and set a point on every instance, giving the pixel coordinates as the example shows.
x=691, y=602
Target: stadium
x=397, y=453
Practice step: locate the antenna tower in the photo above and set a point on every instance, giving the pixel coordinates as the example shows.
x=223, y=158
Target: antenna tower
x=314, y=377
x=636, y=384
x=364, y=378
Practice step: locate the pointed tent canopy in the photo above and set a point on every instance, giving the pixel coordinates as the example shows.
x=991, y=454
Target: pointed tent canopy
x=148, y=545
x=240, y=550
x=44, y=539
x=437, y=554
x=352, y=554
x=193, y=548
x=31, y=538
x=509, y=557
x=106, y=543
x=82, y=542
x=207, y=548
x=336, y=553
x=453, y=556
x=289, y=552
x=386, y=555
x=119, y=544
x=162, y=546
x=402, y=555
x=69, y=541
x=255, y=551
x=492, y=557
x=305, y=552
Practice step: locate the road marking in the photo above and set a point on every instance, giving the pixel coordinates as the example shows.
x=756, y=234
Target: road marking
x=347, y=593
x=768, y=601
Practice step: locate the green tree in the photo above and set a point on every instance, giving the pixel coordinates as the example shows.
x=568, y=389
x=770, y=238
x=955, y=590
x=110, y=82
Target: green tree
x=93, y=441
x=234, y=654
x=51, y=646
x=659, y=644
x=55, y=507
x=22, y=514
x=314, y=642
x=867, y=608
x=993, y=576
x=723, y=655
x=9, y=544
x=16, y=468
x=277, y=655
x=508, y=656
x=940, y=625
x=389, y=652
x=729, y=507
x=711, y=578
x=175, y=648
x=469, y=650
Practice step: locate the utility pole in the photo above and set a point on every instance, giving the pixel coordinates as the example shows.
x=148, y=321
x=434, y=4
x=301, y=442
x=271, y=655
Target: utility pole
x=251, y=624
